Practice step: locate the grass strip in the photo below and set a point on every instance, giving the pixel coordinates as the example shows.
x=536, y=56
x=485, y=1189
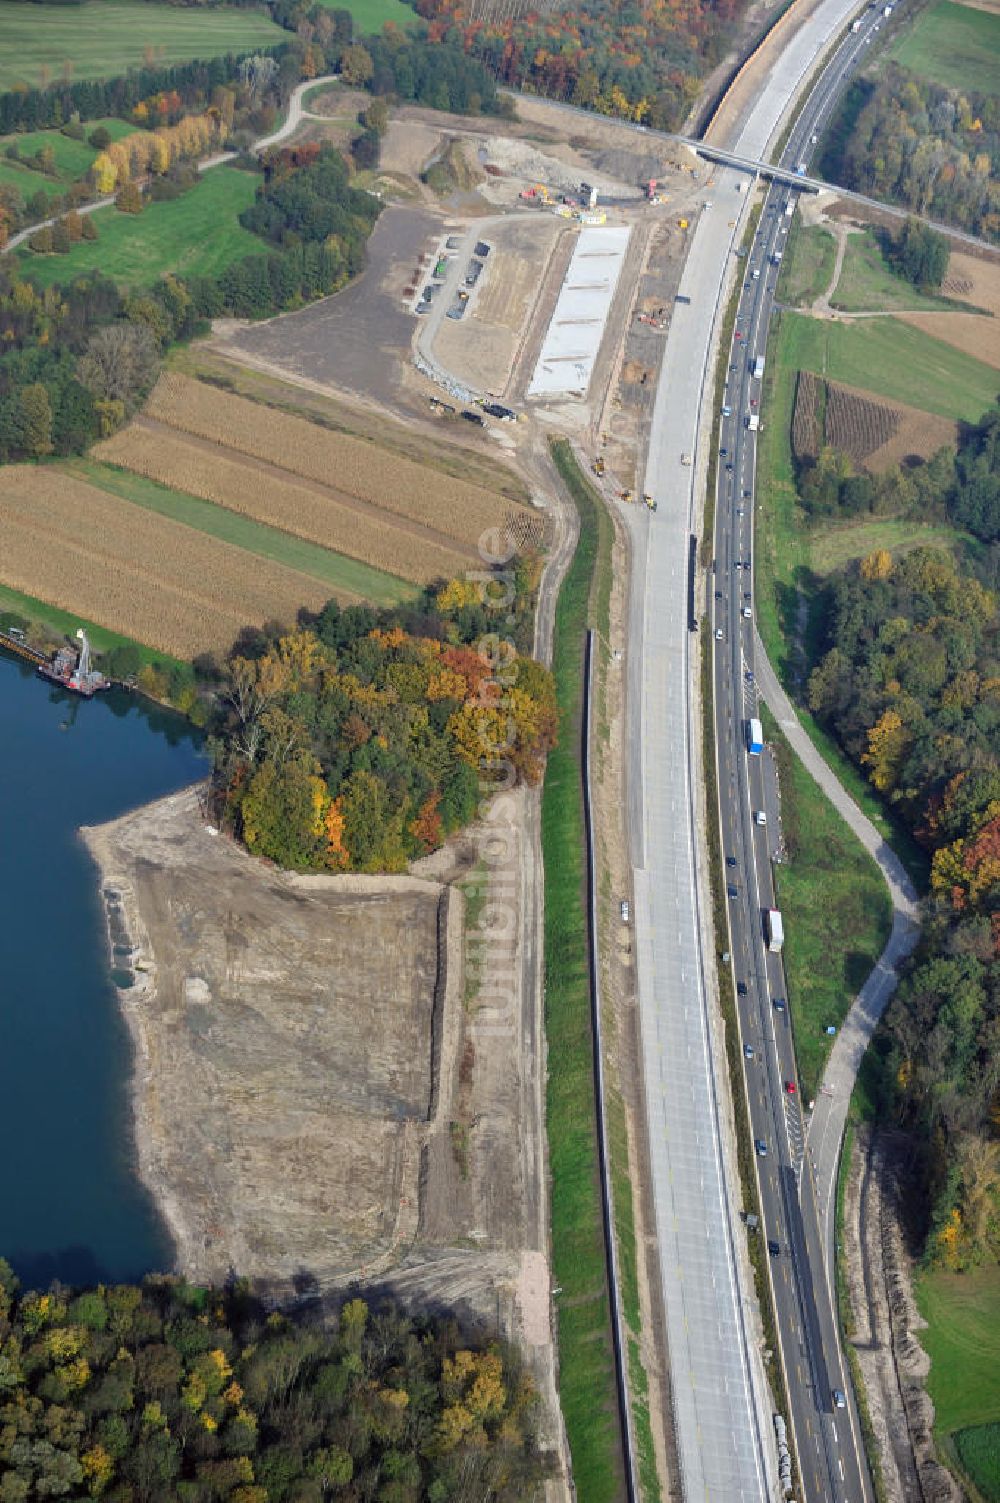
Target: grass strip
x=586, y=1365
x=336, y=570
x=807, y=266
x=836, y=908
x=27, y=611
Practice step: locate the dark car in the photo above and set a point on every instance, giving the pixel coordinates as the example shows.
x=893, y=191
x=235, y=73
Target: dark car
x=731, y=891
x=761, y=1148
x=741, y=988
x=729, y=469
x=730, y=860
x=773, y=1247
x=779, y=1004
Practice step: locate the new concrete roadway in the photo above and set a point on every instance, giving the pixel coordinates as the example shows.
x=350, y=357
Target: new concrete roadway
x=725, y=1440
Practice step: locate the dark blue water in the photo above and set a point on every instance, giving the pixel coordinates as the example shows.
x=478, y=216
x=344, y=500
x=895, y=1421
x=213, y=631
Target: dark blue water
x=70, y=1204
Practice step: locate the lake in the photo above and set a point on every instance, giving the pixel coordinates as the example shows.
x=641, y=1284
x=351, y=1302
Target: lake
x=70, y=1204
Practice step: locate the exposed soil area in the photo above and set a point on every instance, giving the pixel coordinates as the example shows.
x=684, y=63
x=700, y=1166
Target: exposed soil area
x=291, y=1038
x=885, y=1321
x=482, y=347
x=360, y=339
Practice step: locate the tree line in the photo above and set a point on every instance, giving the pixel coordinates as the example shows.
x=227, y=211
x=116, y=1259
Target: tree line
x=908, y=683
x=917, y=143
x=363, y=738
x=961, y=486
x=164, y=1391
x=77, y=360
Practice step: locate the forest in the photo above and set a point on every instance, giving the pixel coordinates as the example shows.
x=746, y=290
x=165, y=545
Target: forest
x=917, y=143
x=167, y=1393
x=909, y=684
x=363, y=738
x=642, y=64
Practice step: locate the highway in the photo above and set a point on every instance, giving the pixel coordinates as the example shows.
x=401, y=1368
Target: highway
x=722, y=1412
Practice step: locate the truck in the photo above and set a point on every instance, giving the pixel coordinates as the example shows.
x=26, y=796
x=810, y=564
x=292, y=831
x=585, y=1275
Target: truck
x=773, y=929
x=753, y=422
x=758, y=367
x=755, y=738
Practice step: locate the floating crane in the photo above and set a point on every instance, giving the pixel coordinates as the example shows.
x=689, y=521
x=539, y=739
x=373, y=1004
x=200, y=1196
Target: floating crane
x=72, y=670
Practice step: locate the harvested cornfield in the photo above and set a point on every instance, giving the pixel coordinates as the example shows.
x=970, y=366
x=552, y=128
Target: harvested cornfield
x=360, y=469
x=134, y=571
x=806, y=435
x=857, y=423
x=320, y=514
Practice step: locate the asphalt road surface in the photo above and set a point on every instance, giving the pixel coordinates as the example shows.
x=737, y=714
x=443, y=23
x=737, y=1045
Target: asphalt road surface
x=824, y=1423
x=725, y=1441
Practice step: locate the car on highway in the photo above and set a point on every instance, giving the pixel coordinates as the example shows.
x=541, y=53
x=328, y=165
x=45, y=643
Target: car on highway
x=729, y=468
x=727, y=412
x=747, y=612
x=760, y=817
x=738, y=335
x=839, y=1401
x=740, y=511
x=731, y=891
x=718, y=633
x=723, y=452
x=761, y=1148
x=790, y=1087
x=730, y=860
x=741, y=988
x=779, y=1004
x=774, y=1248
x=748, y=1050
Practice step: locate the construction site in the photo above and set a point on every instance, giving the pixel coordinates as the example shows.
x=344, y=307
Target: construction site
x=507, y=252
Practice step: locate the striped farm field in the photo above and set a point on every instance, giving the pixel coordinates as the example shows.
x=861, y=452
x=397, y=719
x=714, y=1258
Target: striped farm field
x=278, y=498
x=136, y=572
x=417, y=492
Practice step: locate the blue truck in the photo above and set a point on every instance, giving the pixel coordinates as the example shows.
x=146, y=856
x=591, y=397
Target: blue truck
x=755, y=738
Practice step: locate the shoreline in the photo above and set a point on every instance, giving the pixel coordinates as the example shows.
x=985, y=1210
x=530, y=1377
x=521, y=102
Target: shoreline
x=118, y=899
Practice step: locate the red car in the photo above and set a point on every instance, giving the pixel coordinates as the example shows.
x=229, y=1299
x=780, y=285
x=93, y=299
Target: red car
x=790, y=1087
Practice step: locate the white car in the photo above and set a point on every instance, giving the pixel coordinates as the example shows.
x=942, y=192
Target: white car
x=718, y=633
x=747, y=613
x=759, y=817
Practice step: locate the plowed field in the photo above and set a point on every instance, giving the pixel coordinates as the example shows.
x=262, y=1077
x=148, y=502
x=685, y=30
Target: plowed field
x=134, y=571
x=390, y=482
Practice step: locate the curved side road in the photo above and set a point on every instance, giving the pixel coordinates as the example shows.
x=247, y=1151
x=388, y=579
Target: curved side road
x=294, y=117
x=825, y=1128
